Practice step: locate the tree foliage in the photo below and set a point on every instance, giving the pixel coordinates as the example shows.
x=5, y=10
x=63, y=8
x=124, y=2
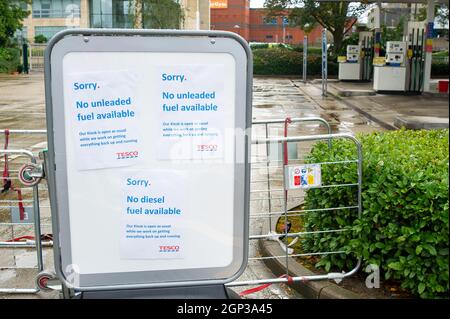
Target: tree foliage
x=11, y=17
x=391, y=34
x=334, y=16
x=440, y=12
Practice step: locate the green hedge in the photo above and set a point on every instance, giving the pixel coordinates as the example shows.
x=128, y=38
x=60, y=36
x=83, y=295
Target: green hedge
x=255, y=46
x=279, y=61
x=439, y=69
x=440, y=54
x=282, y=61
x=9, y=60
x=311, y=50
x=404, y=227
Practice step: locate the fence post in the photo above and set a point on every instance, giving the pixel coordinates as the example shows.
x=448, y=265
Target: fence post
x=25, y=58
x=324, y=62
x=305, y=57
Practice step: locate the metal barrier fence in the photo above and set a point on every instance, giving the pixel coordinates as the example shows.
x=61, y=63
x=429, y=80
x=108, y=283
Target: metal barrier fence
x=36, y=56
x=20, y=218
x=273, y=169
x=277, y=157
x=279, y=173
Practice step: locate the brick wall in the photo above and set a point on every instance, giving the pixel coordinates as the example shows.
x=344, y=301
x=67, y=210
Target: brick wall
x=250, y=23
x=235, y=18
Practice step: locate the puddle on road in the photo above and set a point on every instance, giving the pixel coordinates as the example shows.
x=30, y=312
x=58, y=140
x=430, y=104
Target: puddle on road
x=348, y=118
x=263, y=106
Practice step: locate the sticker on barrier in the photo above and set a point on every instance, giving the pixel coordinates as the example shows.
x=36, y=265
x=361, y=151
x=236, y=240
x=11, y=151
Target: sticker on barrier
x=303, y=176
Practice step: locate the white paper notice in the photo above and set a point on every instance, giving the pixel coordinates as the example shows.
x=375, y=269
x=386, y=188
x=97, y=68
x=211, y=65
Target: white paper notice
x=152, y=215
x=103, y=107
x=191, y=111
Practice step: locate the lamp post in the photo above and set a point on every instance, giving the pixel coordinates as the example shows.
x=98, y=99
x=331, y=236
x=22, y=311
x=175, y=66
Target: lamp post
x=237, y=27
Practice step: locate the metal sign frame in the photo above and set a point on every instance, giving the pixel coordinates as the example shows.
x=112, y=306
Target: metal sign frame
x=124, y=40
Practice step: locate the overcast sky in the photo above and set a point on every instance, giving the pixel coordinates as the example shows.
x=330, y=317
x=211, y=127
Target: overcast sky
x=260, y=4
x=256, y=3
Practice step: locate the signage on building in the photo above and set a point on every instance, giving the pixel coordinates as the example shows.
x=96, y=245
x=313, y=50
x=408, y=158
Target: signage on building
x=218, y=4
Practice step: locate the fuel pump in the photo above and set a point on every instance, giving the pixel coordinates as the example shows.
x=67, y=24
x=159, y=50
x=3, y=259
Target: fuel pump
x=349, y=69
x=392, y=75
x=415, y=57
x=366, y=48
x=356, y=65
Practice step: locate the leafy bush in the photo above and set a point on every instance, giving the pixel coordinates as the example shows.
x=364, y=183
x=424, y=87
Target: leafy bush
x=259, y=45
x=255, y=46
x=9, y=60
x=276, y=61
x=440, y=54
x=283, y=61
x=280, y=61
x=404, y=224
x=40, y=38
x=352, y=39
x=439, y=69
x=311, y=50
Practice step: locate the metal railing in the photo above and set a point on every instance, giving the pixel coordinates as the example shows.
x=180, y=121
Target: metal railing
x=271, y=172
x=282, y=195
x=36, y=56
x=268, y=162
x=20, y=232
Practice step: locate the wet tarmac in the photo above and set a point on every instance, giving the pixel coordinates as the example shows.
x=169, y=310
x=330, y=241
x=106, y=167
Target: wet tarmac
x=277, y=99
x=22, y=107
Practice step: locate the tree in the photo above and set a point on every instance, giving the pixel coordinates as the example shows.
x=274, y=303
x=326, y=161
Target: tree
x=440, y=12
x=335, y=16
x=391, y=34
x=157, y=14
x=40, y=38
x=11, y=17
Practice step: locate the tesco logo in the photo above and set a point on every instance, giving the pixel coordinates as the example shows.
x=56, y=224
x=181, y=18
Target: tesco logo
x=125, y=155
x=169, y=249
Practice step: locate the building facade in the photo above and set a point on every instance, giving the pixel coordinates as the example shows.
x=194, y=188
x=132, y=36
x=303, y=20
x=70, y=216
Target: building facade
x=254, y=25
x=47, y=17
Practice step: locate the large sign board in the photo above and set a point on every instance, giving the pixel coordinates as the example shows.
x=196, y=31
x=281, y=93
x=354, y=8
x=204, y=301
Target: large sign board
x=149, y=178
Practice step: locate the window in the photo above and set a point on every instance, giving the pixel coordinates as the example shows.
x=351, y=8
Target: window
x=55, y=8
x=272, y=21
x=285, y=20
x=111, y=13
x=269, y=36
x=45, y=8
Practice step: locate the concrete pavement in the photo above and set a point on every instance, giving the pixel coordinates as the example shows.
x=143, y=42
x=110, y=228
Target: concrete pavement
x=22, y=106
x=392, y=111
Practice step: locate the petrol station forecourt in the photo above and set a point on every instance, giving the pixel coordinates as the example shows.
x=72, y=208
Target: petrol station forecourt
x=193, y=186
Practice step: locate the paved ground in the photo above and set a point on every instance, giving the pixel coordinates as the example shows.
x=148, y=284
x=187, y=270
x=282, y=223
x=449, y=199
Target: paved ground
x=386, y=109
x=22, y=106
